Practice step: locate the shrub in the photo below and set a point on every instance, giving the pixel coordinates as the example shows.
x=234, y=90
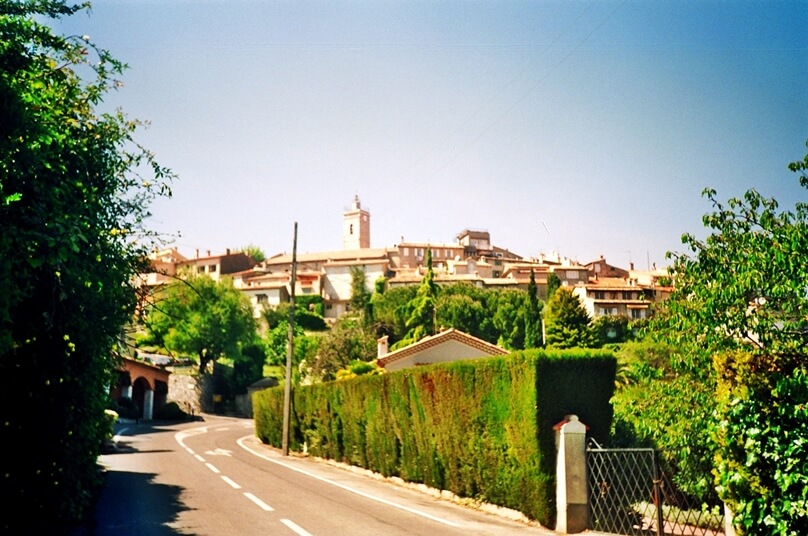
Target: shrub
x=171, y=412
x=127, y=408
x=481, y=428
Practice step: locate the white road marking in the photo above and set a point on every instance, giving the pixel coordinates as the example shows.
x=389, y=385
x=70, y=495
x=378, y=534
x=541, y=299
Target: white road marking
x=117, y=437
x=219, y=452
x=261, y=504
x=231, y=482
x=243, y=445
x=180, y=436
x=200, y=458
x=213, y=468
x=295, y=527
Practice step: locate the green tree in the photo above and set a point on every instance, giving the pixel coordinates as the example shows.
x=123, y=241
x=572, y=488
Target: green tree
x=568, y=324
x=360, y=301
x=255, y=252
x=553, y=284
x=739, y=316
x=611, y=329
x=198, y=316
x=250, y=368
x=306, y=316
x=422, y=315
x=75, y=189
x=508, y=307
x=390, y=310
x=349, y=340
x=533, y=335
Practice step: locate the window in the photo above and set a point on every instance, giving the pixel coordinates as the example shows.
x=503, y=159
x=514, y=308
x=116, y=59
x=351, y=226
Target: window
x=406, y=252
x=628, y=296
x=350, y=229
x=572, y=274
x=637, y=313
x=212, y=268
x=599, y=295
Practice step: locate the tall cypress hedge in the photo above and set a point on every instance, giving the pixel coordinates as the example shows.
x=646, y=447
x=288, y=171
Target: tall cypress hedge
x=481, y=428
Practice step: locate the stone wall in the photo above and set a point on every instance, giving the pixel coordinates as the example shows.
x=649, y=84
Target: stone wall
x=193, y=393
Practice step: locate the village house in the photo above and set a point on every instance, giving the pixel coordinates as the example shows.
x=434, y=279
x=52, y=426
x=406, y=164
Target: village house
x=472, y=259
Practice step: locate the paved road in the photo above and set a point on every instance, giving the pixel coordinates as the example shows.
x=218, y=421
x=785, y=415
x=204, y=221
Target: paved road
x=215, y=478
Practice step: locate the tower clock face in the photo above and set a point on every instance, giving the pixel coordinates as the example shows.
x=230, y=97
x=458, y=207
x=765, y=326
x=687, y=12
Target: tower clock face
x=364, y=218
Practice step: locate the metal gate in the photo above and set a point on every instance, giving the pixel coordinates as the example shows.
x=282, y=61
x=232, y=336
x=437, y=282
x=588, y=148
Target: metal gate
x=631, y=494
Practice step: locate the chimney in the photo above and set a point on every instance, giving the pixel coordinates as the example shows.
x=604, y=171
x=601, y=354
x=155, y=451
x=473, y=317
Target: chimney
x=227, y=251
x=381, y=346
x=631, y=266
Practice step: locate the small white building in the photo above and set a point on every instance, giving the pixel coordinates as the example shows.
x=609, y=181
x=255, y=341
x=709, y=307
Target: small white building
x=448, y=345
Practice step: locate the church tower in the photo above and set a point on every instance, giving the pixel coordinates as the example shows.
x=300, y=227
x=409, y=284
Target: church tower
x=356, y=227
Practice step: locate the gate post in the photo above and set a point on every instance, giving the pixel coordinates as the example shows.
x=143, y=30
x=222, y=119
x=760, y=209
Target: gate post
x=572, y=501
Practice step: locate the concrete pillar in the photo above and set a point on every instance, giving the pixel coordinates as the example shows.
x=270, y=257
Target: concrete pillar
x=127, y=391
x=148, y=404
x=572, y=500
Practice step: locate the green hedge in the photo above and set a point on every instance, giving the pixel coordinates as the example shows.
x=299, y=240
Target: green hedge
x=481, y=428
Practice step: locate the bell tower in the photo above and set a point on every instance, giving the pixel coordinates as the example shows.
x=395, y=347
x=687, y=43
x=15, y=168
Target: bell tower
x=356, y=227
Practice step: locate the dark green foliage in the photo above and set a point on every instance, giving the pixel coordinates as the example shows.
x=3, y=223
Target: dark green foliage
x=249, y=368
x=127, y=408
x=737, y=321
x=471, y=427
x=568, y=325
x=360, y=302
x=422, y=310
x=532, y=316
x=553, y=284
x=171, y=412
x=390, y=311
x=311, y=303
x=198, y=316
x=308, y=314
x=511, y=314
x=72, y=207
x=762, y=464
x=465, y=313
x=350, y=339
x=611, y=329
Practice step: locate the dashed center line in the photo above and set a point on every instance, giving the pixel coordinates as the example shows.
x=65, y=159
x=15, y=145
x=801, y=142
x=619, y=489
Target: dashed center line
x=213, y=468
x=261, y=504
x=295, y=527
x=231, y=482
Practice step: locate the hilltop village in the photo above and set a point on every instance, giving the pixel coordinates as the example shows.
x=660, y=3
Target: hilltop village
x=603, y=289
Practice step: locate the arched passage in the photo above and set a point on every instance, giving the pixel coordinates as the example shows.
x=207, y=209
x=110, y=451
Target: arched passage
x=145, y=384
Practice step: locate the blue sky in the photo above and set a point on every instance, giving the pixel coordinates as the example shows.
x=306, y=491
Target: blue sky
x=584, y=127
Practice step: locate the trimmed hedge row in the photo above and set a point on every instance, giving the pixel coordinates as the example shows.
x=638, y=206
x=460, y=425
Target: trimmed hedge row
x=481, y=428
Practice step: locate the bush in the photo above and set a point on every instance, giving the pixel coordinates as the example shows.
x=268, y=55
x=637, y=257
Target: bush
x=481, y=428
x=171, y=412
x=127, y=408
x=762, y=469
x=111, y=417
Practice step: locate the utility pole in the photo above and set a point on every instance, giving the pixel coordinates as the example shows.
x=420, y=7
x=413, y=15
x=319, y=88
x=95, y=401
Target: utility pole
x=287, y=385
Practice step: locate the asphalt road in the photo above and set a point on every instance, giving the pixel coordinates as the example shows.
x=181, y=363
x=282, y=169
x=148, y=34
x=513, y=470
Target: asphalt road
x=213, y=477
